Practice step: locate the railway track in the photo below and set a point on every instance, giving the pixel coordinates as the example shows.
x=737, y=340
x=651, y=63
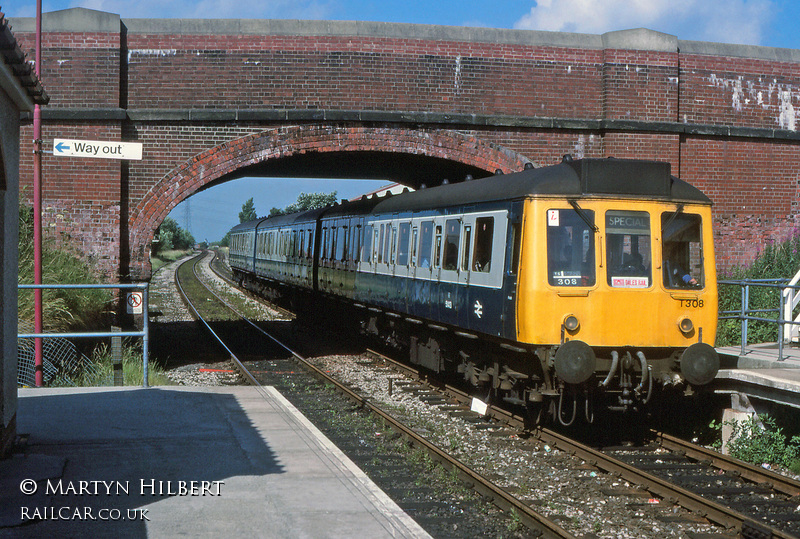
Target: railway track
x=191, y=287
x=750, y=500
x=742, y=499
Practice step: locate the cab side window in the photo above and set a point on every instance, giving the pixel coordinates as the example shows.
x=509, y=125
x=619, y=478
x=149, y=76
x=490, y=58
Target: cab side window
x=682, y=256
x=570, y=248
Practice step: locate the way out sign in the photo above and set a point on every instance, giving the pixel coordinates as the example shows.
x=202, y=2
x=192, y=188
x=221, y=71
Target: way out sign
x=134, y=301
x=97, y=148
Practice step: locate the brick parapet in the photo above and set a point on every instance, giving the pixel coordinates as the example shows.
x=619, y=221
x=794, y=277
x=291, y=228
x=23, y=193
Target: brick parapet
x=191, y=91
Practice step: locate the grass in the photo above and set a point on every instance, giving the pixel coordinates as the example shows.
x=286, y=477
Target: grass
x=166, y=257
x=779, y=260
x=101, y=373
x=74, y=310
x=61, y=309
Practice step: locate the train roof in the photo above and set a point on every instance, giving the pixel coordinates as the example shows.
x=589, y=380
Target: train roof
x=629, y=178
x=571, y=178
x=280, y=220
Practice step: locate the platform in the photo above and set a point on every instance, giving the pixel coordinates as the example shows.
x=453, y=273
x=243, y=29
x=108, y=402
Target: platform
x=183, y=461
x=760, y=374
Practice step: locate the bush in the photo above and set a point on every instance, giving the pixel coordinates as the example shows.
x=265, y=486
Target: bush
x=62, y=309
x=758, y=440
x=777, y=261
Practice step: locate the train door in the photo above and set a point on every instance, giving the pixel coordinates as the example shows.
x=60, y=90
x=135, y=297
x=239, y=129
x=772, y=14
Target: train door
x=481, y=260
x=383, y=270
x=448, y=273
x=423, y=290
x=403, y=263
x=463, y=290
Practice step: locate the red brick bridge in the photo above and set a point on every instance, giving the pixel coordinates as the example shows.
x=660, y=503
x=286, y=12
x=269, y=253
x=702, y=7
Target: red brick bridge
x=213, y=100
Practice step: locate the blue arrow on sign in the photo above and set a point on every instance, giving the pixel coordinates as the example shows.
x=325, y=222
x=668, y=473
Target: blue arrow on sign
x=62, y=147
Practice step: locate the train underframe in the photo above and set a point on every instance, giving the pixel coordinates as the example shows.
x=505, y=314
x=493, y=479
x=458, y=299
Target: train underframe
x=622, y=380
x=525, y=376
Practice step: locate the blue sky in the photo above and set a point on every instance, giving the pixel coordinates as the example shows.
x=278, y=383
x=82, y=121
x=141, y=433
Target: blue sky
x=771, y=23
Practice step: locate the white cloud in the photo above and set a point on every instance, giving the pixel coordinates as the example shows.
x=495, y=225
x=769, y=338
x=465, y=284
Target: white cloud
x=729, y=21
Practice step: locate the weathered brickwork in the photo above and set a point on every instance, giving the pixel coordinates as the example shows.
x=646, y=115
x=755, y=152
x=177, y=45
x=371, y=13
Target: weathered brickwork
x=209, y=98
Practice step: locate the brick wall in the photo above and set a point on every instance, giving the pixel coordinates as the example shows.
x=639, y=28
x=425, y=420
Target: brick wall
x=201, y=95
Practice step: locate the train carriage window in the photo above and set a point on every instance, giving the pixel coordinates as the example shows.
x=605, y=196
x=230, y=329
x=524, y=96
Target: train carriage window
x=414, y=239
x=628, y=249
x=682, y=256
x=465, y=255
x=302, y=243
x=404, y=235
x=482, y=252
x=393, y=246
x=367, y=250
x=570, y=248
x=334, y=241
x=437, y=253
x=388, y=244
x=380, y=244
x=452, y=235
x=355, y=244
x=341, y=243
x=425, y=244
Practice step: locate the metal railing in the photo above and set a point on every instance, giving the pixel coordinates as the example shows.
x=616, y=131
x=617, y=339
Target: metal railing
x=788, y=299
x=144, y=333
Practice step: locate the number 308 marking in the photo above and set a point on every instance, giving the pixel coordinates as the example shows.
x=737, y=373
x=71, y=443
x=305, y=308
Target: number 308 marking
x=560, y=281
x=692, y=303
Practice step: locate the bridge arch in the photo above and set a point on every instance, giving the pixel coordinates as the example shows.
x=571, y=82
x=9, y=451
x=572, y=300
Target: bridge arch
x=252, y=151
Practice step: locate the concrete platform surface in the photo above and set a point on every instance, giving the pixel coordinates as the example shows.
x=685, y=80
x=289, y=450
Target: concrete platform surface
x=183, y=461
x=760, y=374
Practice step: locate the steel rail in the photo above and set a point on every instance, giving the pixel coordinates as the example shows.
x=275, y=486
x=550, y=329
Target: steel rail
x=711, y=510
x=196, y=315
x=474, y=480
x=757, y=474
x=659, y=487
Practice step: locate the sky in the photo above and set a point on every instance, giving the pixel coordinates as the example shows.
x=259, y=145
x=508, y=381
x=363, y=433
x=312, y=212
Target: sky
x=771, y=23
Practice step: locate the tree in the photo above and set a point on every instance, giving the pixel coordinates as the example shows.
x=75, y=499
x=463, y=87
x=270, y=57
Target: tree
x=226, y=240
x=306, y=201
x=172, y=236
x=248, y=212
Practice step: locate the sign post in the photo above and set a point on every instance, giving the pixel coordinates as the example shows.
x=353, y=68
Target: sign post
x=97, y=148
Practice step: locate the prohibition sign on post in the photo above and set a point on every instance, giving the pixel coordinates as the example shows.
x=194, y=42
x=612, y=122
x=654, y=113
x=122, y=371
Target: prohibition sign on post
x=134, y=302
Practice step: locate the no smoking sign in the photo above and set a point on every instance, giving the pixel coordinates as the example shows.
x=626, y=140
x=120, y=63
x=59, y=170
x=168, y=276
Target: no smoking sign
x=134, y=302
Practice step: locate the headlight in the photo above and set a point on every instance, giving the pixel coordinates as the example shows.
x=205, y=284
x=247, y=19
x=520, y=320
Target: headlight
x=686, y=325
x=571, y=322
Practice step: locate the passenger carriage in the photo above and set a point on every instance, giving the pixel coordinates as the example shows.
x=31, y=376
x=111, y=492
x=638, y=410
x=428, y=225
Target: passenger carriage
x=590, y=278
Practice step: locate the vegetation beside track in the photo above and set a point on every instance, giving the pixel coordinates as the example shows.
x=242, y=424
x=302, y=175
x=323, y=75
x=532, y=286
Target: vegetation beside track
x=777, y=261
x=63, y=310
x=167, y=257
x=75, y=310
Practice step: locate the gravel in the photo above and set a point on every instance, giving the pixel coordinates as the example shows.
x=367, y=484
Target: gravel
x=585, y=501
